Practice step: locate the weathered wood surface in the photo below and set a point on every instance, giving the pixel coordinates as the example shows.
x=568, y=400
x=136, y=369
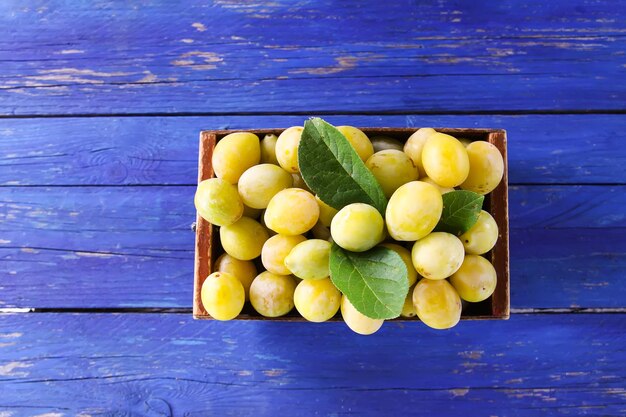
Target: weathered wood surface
x=102, y=57
x=169, y=365
x=164, y=150
x=104, y=247
x=95, y=211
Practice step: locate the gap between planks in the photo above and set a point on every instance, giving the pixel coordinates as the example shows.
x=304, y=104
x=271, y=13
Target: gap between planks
x=185, y=310
x=399, y=112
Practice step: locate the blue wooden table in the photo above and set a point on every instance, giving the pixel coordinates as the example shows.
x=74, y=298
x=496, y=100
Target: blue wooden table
x=101, y=103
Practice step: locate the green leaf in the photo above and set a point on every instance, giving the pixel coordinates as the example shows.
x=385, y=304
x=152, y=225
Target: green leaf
x=333, y=170
x=375, y=281
x=460, y=211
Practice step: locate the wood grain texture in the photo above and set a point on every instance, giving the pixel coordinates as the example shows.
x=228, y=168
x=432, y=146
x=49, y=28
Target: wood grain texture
x=133, y=247
x=65, y=244
x=163, y=150
x=206, y=233
x=169, y=365
x=99, y=247
x=498, y=206
x=102, y=57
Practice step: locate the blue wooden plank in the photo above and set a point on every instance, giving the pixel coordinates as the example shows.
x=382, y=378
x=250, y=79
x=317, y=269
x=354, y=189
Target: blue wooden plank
x=582, y=267
x=163, y=150
x=97, y=247
x=63, y=57
x=132, y=246
x=169, y=365
x=567, y=207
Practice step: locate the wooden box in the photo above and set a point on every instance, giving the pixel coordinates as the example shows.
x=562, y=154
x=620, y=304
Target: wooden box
x=208, y=247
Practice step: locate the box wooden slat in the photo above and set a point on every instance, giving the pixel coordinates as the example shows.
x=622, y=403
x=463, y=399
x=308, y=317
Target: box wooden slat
x=495, y=307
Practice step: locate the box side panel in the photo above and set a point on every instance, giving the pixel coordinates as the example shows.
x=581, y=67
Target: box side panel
x=204, y=230
x=500, y=253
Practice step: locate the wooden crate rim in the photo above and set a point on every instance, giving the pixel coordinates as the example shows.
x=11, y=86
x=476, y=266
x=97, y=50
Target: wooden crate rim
x=470, y=130
x=500, y=301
